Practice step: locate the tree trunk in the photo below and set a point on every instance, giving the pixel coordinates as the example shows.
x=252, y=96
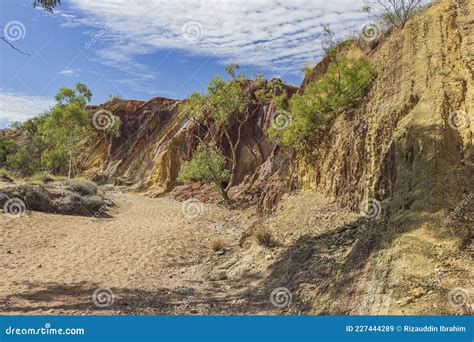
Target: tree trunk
x=70, y=165
x=233, y=169
x=224, y=194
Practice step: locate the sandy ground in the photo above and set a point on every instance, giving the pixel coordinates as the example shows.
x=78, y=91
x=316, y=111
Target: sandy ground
x=151, y=257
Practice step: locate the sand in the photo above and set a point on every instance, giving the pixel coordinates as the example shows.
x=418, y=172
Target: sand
x=150, y=257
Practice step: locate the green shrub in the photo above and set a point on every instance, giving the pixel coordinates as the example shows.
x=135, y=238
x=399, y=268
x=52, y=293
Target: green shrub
x=7, y=146
x=207, y=166
x=343, y=86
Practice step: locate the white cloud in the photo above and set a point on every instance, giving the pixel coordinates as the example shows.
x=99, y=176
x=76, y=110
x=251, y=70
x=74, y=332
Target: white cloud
x=19, y=107
x=280, y=35
x=68, y=72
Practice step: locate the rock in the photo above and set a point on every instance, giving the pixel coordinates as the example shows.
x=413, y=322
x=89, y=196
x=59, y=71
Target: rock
x=59, y=199
x=99, y=178
x=82, y=187
x=417, y=292
x=268, y=257
x=219, y=275
x=195, y=186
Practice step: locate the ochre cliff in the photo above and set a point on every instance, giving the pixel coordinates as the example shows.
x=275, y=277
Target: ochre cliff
x=409, y=146
x=155, y=138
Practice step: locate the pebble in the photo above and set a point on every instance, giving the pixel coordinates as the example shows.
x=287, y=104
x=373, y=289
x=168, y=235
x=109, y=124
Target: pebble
x=221, y=275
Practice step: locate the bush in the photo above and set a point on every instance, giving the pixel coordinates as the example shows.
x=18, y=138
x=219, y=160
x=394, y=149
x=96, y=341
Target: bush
x=207, y=166
x=264, y=237
x=7, y=146
x=218, y=244
x=82, y=186
x=343, y=86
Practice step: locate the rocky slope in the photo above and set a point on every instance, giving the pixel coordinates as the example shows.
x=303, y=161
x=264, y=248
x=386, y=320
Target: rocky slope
x=407, y=150
x=155, y=139
x=410, y=148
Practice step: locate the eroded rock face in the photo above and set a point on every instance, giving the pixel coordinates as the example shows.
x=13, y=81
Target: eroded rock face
x=156, y=139
x=410, y=147
x=399, y=145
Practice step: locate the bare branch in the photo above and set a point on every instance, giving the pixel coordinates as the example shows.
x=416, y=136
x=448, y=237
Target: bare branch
x=14, y=47
x=394, y=12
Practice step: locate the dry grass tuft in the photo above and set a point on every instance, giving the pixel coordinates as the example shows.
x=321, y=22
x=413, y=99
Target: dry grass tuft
x=43, y=178
x=264, y=237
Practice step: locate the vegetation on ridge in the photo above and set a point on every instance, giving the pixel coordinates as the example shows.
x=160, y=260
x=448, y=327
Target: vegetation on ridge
x=342, y=86
x=51, y=142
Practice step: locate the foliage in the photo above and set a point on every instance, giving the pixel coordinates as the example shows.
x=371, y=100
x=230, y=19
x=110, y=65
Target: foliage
x=48, y=5
x=223, y=99
x=393, y=12
x=52, y=141
x=7, y=147
x=273, y=92
x=307, y=69
x=225, y=103
x=68, y=125
x=207, y=165
x=342, y=86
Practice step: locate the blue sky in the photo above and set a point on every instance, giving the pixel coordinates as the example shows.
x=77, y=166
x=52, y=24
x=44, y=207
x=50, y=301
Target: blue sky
x=142, y=49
